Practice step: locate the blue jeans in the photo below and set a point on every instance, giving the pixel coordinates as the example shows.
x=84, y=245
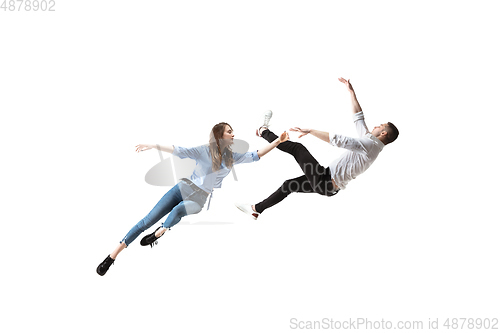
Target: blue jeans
x=179, y=201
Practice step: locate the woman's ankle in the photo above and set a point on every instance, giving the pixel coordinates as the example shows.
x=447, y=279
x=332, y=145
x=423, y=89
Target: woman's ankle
x=160, y=232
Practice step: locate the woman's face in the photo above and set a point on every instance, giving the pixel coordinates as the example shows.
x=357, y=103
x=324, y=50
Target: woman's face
x=228, y=136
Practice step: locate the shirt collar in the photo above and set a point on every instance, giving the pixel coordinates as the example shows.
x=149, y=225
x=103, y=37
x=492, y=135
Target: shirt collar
x=378, y=143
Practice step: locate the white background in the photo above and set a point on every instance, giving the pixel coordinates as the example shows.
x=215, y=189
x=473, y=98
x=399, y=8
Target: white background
x=415, y=237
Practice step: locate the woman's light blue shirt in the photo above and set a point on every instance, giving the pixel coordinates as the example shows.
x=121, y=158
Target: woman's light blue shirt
x=203, y=176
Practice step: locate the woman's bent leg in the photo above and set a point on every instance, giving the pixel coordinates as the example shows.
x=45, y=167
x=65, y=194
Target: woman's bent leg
x=162, y=208
x=184, y=208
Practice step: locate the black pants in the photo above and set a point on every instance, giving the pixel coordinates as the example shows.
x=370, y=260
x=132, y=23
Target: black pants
x=316, y=178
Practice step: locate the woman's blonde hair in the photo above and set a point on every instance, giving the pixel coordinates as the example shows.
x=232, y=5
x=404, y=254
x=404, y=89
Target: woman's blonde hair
x=214, y=145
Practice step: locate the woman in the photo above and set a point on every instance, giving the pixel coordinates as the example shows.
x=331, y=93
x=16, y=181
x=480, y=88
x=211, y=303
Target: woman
x=213, y=163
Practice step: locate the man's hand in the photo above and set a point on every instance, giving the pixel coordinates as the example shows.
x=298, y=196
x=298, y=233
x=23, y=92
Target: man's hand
x=347, y=83
x=302, y=131
x=355, y=104
x=325, y=136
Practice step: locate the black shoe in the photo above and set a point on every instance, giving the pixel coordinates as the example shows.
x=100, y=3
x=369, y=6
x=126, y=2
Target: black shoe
x=151, y=239
x=104, y=266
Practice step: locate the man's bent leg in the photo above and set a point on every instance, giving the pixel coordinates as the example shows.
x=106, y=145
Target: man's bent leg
x=299, y=184
x=314, y=171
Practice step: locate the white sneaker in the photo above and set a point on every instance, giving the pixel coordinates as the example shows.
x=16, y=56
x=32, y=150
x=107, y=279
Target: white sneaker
x=247, y=209
x=267, y=117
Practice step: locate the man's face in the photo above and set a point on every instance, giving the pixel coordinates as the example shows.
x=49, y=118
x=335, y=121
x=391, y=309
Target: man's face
x=377, y=130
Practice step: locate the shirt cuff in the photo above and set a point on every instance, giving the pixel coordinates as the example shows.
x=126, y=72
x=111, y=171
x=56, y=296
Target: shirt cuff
x=255, y=156
x=176, y=151
x=331, y=136
x=358, y=116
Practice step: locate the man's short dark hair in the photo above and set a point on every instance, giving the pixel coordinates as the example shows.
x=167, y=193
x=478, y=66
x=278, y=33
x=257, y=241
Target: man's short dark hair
x=392, y=133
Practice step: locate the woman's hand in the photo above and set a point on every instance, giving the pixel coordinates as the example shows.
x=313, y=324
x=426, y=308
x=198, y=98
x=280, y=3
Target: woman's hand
x=284, y=137
x=302, y=131
x=143, y=147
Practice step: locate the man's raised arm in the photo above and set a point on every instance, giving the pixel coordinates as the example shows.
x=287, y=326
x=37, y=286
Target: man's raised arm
x=355, y=104
x=325, y=136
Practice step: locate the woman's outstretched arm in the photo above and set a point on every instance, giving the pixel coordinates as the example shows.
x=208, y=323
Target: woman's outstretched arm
x=283, y=137
x=146, y=146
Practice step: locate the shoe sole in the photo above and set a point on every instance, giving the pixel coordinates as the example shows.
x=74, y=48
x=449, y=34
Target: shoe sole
x=246, y=212
x=270, y=116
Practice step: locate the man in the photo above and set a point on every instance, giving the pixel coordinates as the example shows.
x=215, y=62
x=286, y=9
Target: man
x=317, y=179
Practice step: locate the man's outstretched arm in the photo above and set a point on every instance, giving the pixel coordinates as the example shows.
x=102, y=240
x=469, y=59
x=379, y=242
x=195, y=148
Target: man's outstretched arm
x=355, y=104
x=325, y=136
